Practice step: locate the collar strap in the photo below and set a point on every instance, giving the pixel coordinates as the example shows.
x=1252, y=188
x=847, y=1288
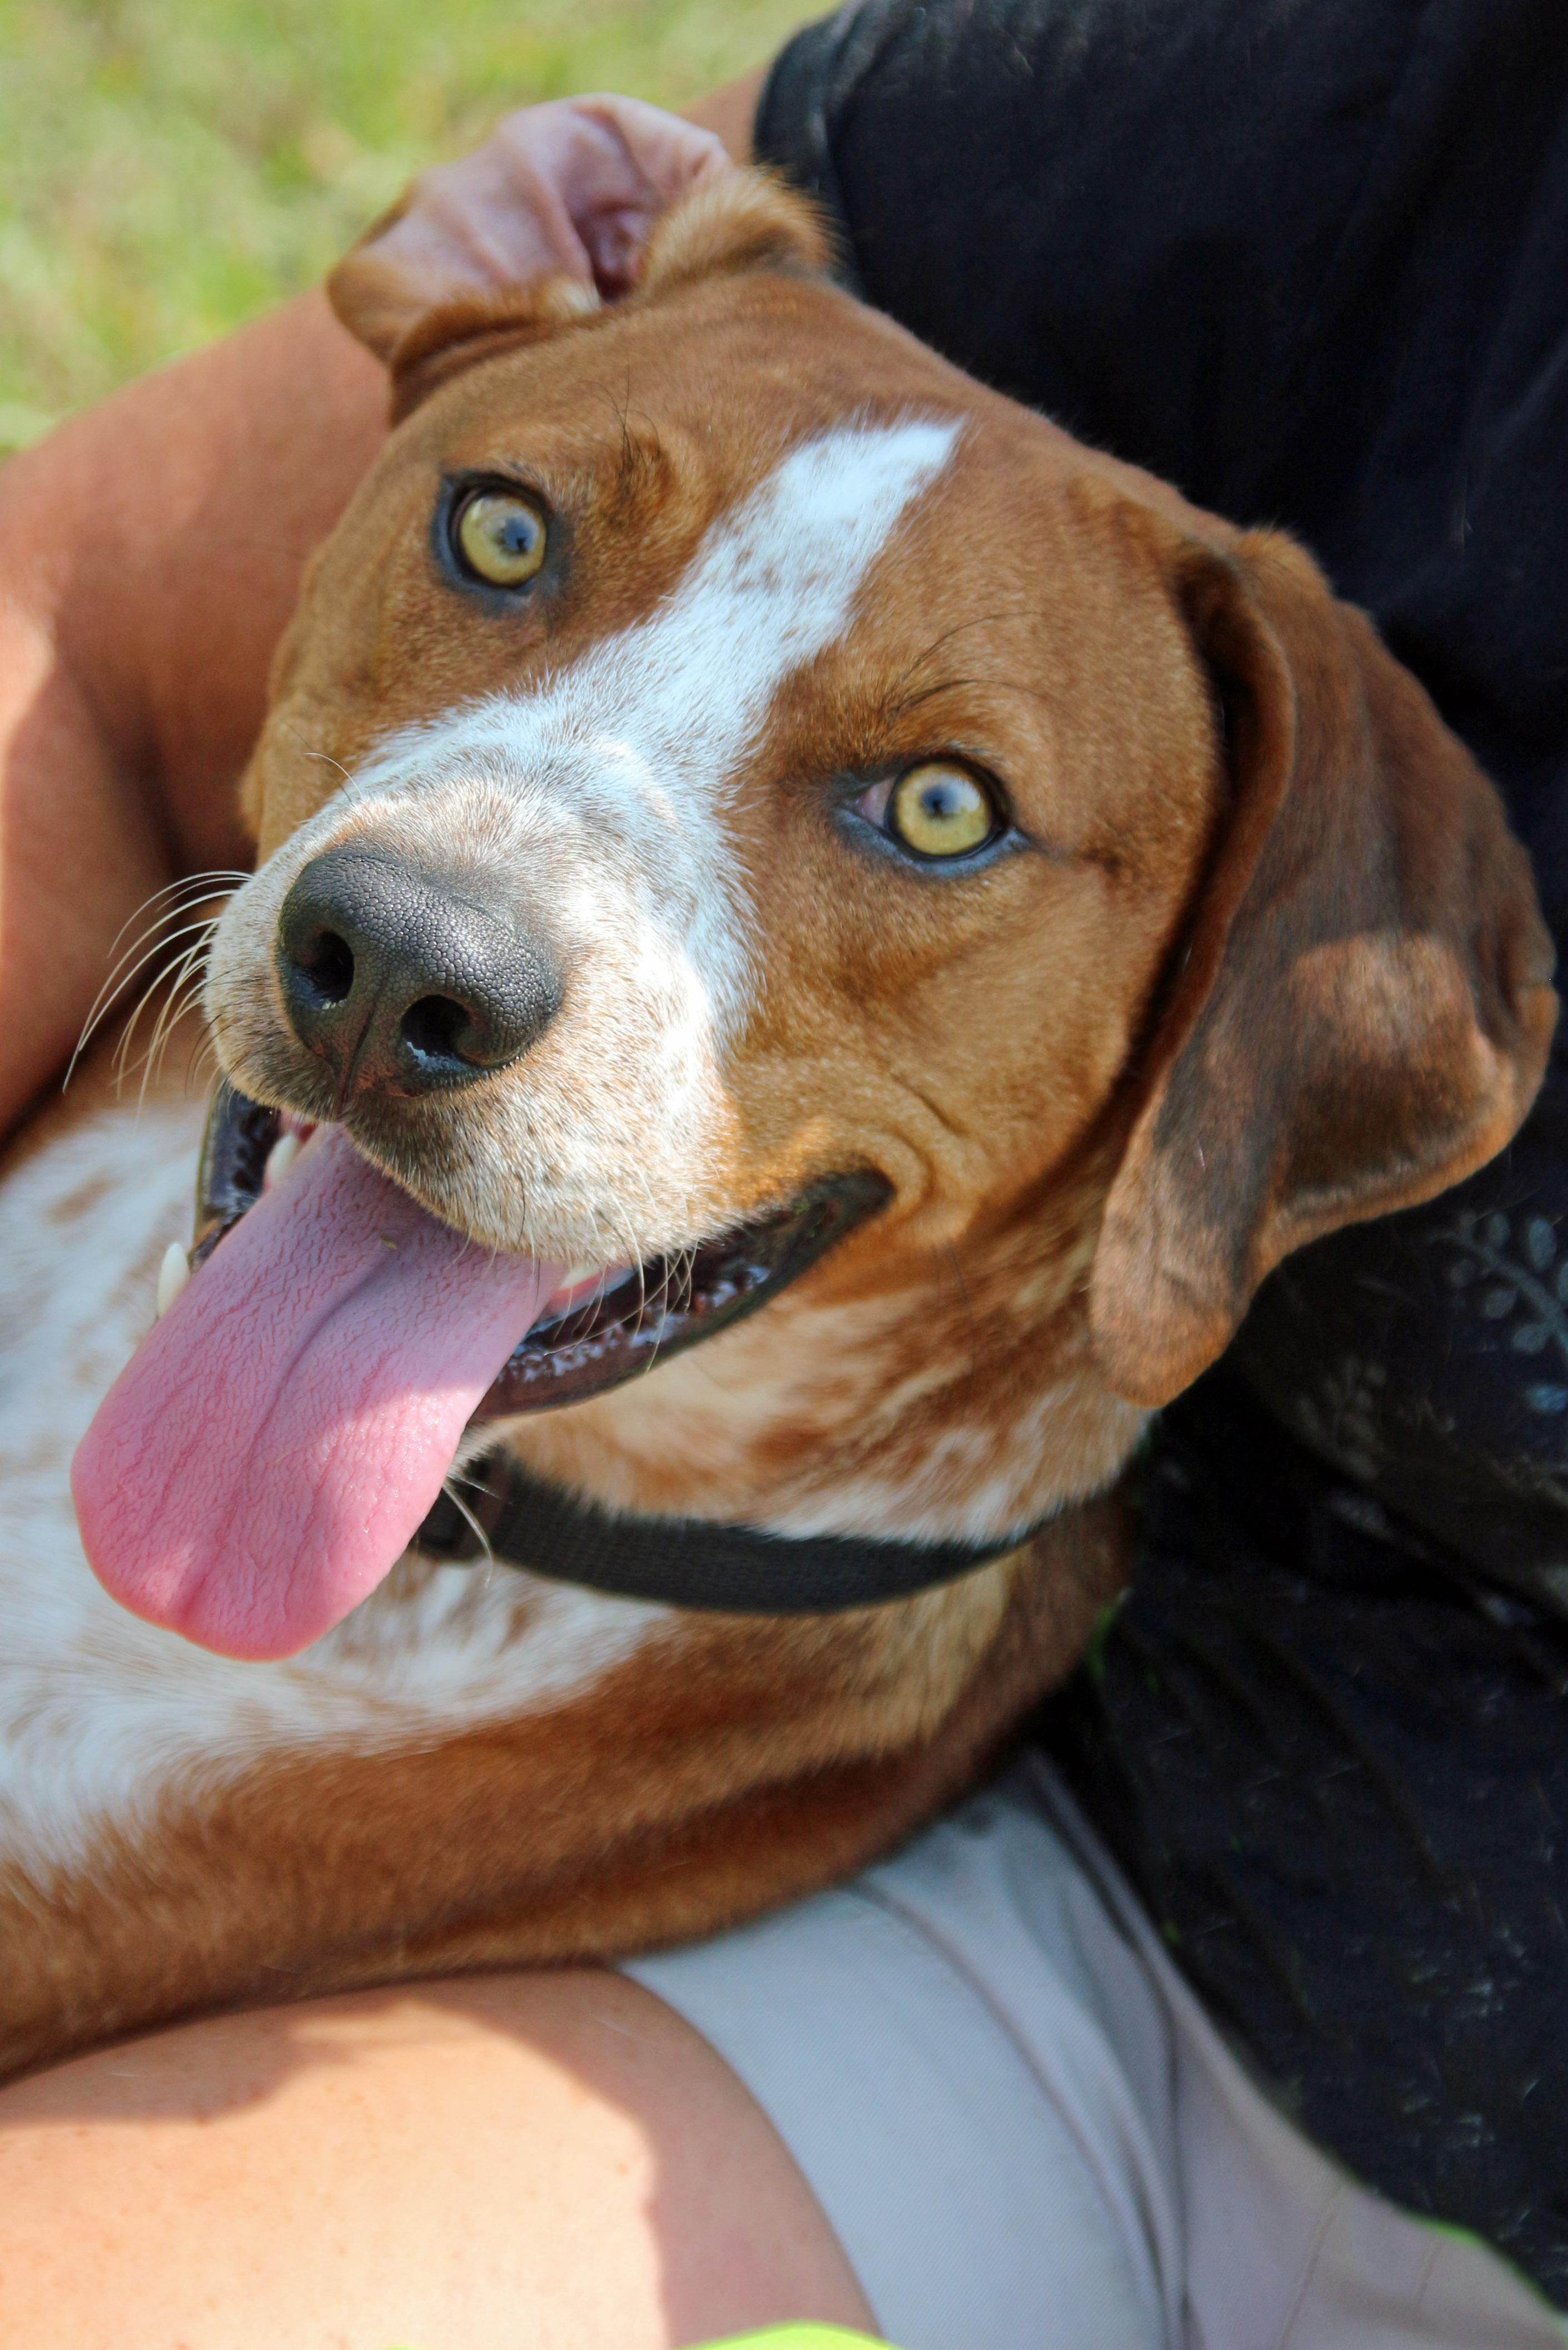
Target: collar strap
x=686, y=1562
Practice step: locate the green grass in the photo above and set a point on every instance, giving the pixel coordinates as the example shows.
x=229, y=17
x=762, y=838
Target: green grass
x=170, y=168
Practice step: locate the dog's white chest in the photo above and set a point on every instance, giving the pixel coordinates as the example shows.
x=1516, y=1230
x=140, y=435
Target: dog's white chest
x=102, y=1717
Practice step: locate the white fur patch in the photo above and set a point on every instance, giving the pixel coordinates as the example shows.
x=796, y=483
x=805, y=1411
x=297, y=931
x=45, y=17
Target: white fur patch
x=642, y=736
x=599, y=798
x=102, y=1717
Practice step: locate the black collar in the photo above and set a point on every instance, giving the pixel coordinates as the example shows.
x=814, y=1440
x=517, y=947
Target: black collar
x=686, y=1562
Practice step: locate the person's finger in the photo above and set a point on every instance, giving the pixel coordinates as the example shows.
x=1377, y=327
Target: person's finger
x=570, y=188
x=661, y=157
x=494, y=218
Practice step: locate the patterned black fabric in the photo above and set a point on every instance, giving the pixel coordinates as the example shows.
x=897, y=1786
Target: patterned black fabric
x=1309, y=260
x=1427, y=1356
x=1332, y=1759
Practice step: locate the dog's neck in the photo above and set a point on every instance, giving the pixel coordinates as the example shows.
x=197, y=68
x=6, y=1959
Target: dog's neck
x=958, y=1404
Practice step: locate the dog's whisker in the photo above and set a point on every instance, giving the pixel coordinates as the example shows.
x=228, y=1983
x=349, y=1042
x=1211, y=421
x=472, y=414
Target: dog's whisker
x=184, y=997
x=461, y=1477
x=183, y=982
x=683, y=1278
x=150, y=1062
x=202, y=1048
x=173, y=977
x=166, y=902
x=119, y=978
x=103, y=1003
x=188, y=883
x=601, y=1287
x=351, y=778
x=448, y=1486
x=328, y=760
x=638, y=1264
x=633, y=1251
x=661, y=1296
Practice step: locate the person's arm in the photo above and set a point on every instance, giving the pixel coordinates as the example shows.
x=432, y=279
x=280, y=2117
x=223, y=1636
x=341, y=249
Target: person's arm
x=151, y=552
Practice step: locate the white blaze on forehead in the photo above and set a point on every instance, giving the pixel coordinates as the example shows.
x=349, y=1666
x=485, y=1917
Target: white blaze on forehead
x=598, y=802
x=640, y=737
x=677, y=696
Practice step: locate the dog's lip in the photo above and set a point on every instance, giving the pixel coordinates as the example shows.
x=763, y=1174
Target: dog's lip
x=603, y=1324
x=658, y=1309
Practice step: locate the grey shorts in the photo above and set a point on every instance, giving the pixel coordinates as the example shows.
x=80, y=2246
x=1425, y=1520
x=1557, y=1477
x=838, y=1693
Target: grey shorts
x=1029, y=2137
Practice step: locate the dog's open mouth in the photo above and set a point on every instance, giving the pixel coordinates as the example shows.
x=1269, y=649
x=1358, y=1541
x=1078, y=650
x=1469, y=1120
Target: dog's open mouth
x=600, y=1326
x=278, y=1437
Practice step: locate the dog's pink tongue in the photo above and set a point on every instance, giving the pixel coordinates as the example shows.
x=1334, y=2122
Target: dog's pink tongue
x=268, y=1450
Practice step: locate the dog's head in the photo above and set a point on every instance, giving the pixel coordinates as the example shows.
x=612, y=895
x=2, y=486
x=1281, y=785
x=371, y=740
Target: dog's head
x=825, y=763
x=724, y=750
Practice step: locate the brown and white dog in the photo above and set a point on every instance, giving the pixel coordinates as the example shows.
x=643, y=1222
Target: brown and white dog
x=722, y=751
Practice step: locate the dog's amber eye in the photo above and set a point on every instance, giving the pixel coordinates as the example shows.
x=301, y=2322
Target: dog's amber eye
x=499, y=536
x=939, y=810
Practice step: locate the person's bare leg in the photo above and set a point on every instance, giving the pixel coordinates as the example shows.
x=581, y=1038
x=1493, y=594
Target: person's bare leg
x=554, y=2160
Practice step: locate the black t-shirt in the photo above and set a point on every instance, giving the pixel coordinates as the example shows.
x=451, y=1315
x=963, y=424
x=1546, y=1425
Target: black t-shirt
x=1308, y=259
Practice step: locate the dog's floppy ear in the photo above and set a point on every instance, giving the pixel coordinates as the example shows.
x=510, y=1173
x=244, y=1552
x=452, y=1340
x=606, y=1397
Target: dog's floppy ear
x=748, y=220
x=565, y=207
x=1361, y=1012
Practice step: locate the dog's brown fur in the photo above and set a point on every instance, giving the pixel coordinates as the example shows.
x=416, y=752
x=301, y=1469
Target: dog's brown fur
x=748, y=1766
x=1295, y=976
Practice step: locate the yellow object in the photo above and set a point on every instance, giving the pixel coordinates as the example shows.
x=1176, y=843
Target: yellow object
x=940, y=810
x=500, y=538
x=797, y=2337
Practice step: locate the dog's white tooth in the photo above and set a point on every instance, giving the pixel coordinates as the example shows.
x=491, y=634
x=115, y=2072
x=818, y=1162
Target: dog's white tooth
x=586, y=1271
x=280, y=1159
x=172, y=1275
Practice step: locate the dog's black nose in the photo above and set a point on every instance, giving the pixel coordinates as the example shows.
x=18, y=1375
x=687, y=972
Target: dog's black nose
x=404, y=981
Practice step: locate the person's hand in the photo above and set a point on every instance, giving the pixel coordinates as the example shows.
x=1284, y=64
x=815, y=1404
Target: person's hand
x=567, y=189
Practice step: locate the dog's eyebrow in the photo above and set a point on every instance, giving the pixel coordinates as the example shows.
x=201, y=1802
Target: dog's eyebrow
x=900, y=701
x=640, y=445
x=641, y=455
x=904, y=693
x=681, y=691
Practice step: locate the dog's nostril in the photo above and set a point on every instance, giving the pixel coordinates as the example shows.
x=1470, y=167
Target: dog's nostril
x=437, y=1026
x=406, y=981
x=327, y=963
